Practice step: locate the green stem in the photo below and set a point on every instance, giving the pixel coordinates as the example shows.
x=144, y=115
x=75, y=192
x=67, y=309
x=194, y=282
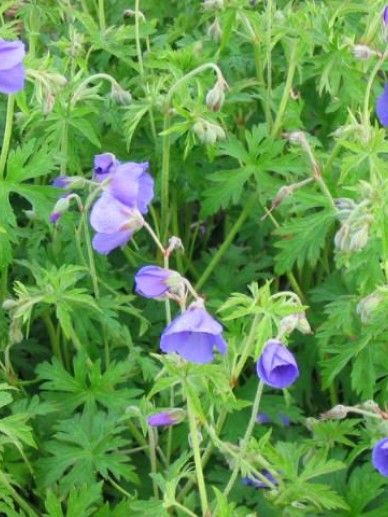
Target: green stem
x=197, y=456
x=101, y=14
x=153, y=460
x=119, y=488
x=53, y=335
x=227, y=242
x=268, y=32
x=376, y=68
x=245, y=440
x=166, y=143
x=7, y=133
x=14, y=494
x=286, y=92
x=92, y=264
x=247, y=347
x=137, y=38
x=184, y=509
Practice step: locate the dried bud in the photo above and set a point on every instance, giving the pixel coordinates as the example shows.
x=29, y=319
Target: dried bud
x=214, y=31
x=288, y=324
x=216, y=96
x=367, y=306
x=130, y=13
x=295, y=137
x=338, y=412
x=15, y=332
x=363, y=52
x=174, y=243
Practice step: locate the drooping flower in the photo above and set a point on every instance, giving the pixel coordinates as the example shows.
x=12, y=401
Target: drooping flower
x=257, y=483
x=132, y=184
x=194, y=335
x=380, y=456
x=61, y=181
x=382, y=107
x=166, y=418
x=12, y=72
x=114, y=223
x=104, y=165
x=156, y=282
x=276, y=366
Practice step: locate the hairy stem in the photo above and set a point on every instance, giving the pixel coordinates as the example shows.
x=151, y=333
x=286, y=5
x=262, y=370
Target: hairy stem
x=7, y=133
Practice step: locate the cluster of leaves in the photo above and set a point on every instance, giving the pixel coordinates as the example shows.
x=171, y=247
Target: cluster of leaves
x=80, y=371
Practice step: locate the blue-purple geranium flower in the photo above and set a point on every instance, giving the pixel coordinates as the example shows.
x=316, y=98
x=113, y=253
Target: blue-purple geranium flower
x=380, y=456
x=166, y=418
x=382, y=107
x=194, y=335
x=104, y=165
x=132, y=184
x=276, y=366
x=156, y=282
x=12, y=74
x=114, y=223
x=258, y=483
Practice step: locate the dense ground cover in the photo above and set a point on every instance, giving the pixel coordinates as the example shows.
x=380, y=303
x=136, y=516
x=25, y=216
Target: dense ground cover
x=193, y=258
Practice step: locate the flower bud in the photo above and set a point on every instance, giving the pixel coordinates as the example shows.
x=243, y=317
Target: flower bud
x=207, y=132
x=167, y=418
x=367, y=306
x=120, y=95
x=214, y=31
x=338, y=412
x=363, y=52
x=9, y=304
x=174, y=243
x=15, y=333
x=359, y=238
x=216, y=96
x=288, y=324
x=209, y=5
x=60, y=207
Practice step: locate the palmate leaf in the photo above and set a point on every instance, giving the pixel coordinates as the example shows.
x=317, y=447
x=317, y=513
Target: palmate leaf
x=89, y=386
x=85, y=446
x=80, y=501
x=302, y=240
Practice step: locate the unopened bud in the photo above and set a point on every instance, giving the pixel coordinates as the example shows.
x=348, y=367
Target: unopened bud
x=15, y=333
x=207, y=132
x=295, y=137
x=214, y=31
x=215, y=97
x=174, y=243
x=338, y=412
x=9, y=304
x=209, y=5
x=359, y=238
x=120, y=95
x=363, y=52
x=367, y=306
x=341, y=238
x=303, y=325
x=288, y=324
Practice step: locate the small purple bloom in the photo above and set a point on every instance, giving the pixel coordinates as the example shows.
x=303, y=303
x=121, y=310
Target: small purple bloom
x=155, y=281
x=54, y=217
x=257, y=483
x=276, y=366
x=193, y=335
x=12, y=72
x=104, y=165
x=114, y=223
x=380, y=456
x=61, y=181
x=164, y=418
x=133, y=185
x=263, y=418
x=382, y=107
x=385, y=16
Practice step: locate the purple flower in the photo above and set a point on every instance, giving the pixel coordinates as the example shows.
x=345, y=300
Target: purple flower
x=114, y=223
x=54, y=217
x=164, y=418
x=155, y=282
x=257, y=483
x=104, y=165
x=385, y=16
x=263, y=418
x=380, y=456
x=276, y=366
x=61, y=181
x=382, y=107
x=12, y=72
x=133, y=185
x=193, y=335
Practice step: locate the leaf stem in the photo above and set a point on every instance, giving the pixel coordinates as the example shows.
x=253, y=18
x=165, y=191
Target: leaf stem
x=227, y=242
x=137, y=38
x=7, y=133
x=245, y=440
x=101, y=14
x=197, y=456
